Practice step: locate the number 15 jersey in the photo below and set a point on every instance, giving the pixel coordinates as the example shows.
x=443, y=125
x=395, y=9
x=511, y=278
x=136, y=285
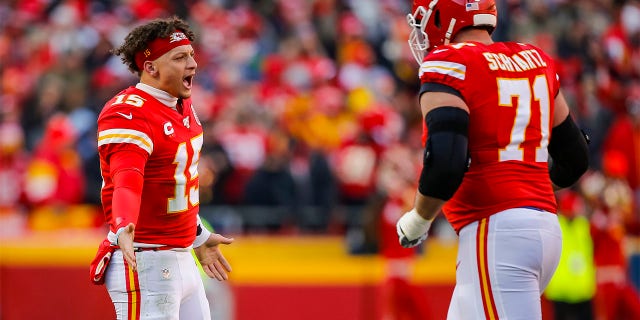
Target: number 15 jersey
x=134, y=120
x=509, y=89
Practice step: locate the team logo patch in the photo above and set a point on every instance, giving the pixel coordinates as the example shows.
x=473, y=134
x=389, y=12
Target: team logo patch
x=177, y=36
x=166, y=274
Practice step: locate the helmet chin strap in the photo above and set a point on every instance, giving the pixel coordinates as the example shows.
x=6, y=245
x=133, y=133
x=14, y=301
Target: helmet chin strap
x=447, y=36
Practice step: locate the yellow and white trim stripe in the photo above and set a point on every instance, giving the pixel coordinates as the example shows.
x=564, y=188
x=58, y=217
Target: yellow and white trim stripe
x=134, y=302
x=447, y=68
x=486, y=292
x=136, y=137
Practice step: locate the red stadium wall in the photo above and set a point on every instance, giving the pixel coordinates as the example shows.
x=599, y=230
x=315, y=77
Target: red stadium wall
x=46, y=277
x=65, y=293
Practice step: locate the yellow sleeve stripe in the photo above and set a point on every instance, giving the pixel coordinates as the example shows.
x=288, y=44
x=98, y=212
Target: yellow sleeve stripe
x=138, y=138
x=452, y=69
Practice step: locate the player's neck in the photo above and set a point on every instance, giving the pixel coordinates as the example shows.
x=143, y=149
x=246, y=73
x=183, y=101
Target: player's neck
x=472, y=34
x=160, y=95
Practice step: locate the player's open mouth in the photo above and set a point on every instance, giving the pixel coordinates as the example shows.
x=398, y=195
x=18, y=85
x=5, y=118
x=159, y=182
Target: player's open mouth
x=187, y=81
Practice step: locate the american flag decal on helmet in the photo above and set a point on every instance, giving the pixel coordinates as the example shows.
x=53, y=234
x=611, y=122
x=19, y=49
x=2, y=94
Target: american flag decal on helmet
x=472, y=5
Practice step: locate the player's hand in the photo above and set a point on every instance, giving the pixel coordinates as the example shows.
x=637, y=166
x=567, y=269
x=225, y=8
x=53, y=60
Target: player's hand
x=213, y=262
x=412, y=229
x=125, y=242
x=407, y=242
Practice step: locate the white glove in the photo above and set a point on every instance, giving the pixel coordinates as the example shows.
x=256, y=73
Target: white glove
x=412, y=229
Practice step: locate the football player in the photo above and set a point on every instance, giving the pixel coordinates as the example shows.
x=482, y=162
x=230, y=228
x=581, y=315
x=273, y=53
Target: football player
x=149, y=142
x=499, y=140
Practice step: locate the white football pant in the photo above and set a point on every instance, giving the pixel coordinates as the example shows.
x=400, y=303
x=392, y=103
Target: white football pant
x=167, y=286
x=504, y=264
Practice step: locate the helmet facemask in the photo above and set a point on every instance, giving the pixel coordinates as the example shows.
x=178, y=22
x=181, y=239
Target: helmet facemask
x=418, y=39
x=438, y=22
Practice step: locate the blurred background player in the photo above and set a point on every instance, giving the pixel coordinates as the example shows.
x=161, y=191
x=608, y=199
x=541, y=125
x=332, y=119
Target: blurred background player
x=149, y=142
x=494, y=117
x=573, y=285
x=609, y=200
x=402, y=298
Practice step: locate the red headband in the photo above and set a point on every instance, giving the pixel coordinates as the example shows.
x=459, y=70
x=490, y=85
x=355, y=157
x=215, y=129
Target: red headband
x=160, y=46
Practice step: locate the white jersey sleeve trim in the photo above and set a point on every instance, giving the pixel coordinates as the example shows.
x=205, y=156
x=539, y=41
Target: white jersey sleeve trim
x=447, y=68
x=136, y=137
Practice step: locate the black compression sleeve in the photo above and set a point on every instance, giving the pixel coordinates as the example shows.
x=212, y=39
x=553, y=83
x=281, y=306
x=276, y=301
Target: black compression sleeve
x=446, y=156
x=569, y=153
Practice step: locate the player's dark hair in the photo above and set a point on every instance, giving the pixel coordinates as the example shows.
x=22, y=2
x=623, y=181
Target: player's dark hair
x=140, y=37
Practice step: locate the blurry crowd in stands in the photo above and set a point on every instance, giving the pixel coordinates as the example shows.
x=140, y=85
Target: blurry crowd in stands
x=307, y=105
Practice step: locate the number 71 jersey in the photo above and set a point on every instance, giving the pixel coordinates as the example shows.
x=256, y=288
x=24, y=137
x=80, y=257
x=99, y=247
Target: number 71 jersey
x=171, y=142
x=509, y=89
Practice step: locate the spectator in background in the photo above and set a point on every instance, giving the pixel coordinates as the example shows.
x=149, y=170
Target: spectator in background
x=623, y=139
x=316, y=185
x=272, y=185
x=608, y=199
x=395, y=184
x=355, y=164
x=55, y=181
x=245, y=142
x=13, y=162
x=54, y=174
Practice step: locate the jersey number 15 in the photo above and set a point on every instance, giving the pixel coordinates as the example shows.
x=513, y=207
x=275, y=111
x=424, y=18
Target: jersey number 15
x=183, y=175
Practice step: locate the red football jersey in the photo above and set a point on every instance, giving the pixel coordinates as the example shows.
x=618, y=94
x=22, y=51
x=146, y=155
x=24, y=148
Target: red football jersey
x=510, y=90
x=171, y=142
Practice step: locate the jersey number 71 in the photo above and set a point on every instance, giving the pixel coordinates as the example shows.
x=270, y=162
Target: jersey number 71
x=526, y=93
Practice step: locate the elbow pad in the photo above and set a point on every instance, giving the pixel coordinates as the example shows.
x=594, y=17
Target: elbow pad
x=569, y=153
x=446, y=156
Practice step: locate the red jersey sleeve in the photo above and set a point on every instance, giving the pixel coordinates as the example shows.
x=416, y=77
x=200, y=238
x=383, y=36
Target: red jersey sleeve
x=125, y=143
x=442, y=67
x=127, y=190
x=123, y=127
x=445, y=66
